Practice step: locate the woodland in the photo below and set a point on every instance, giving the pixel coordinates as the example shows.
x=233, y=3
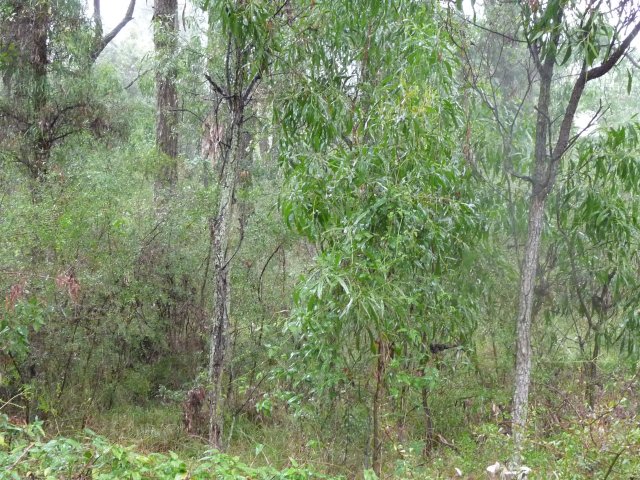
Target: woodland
x=320, y=239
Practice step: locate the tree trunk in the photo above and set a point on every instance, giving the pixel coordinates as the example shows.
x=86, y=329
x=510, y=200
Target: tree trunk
x=545, y=171
x=428, y=419
x=166, y=12
x=377, y=398
x=523, y=327
x=545, y=168
x=592, y=371
x=220, y=231
x=223, y=145
x=41, y=147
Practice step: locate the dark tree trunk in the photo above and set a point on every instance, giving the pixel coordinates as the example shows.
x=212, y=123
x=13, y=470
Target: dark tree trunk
x=165, y=41
x=42, y=145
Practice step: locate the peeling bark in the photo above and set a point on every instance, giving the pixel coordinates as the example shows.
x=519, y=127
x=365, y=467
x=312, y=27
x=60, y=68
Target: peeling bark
x=221, y=227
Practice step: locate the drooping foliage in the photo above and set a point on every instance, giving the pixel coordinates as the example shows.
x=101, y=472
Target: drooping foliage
x=374, y=178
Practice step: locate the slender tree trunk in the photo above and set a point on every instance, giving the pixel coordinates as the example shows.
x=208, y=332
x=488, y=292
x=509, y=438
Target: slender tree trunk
x=377, y=398
x=592, y=371
x=224, y=146
x=165, y=26
x=428, y=420
x=221, y=230
x=523, y=326
x=547, y=161
x=165, y=42
x=542, y=182
x=41, y=148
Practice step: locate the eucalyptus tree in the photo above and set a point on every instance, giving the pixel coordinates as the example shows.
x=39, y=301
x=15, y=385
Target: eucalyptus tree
x=376, y=181
x=165, y=38
x=590, y=39
x=247, y=35
x=102, y=39
x=600, y=43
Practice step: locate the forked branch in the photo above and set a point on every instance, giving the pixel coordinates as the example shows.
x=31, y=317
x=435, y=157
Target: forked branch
x=102, y=41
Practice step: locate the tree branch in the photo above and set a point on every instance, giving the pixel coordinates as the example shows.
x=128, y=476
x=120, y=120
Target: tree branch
x=610, y=62
x=254, y=81
x=578, y=88
x=215, y=86
x=102, y=42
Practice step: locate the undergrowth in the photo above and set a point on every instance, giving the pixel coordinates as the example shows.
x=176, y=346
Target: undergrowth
x=26, y=454
x=567, y=440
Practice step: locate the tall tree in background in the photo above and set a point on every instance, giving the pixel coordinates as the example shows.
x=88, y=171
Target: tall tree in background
x=165, y=39
x=44, y=102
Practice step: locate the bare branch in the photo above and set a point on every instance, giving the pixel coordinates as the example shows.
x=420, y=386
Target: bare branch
x=138, y=77
x=215, y=86
x=610, y=62
x=526, y=178
x=251, y=87
x=599, y=113
x=101, y=43
x=587, y=75
x=489, y=30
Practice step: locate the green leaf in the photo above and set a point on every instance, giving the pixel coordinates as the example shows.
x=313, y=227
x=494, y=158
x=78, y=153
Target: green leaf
x=567, y=55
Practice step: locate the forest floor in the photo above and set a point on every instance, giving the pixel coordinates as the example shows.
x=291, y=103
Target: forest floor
x=566, y=440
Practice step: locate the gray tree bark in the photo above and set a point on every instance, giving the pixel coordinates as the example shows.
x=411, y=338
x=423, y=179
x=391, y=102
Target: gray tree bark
x=547, y=161
x=221, y=226
x=101, y=41
x=224, y=146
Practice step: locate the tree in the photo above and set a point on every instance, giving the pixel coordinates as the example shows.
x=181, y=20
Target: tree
x=43, y=75
x=165, y=38
x=47, y=97
x=593, y=38
x=375, y=181
x=248, y=33
x=100, y=39
x=595, y=238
